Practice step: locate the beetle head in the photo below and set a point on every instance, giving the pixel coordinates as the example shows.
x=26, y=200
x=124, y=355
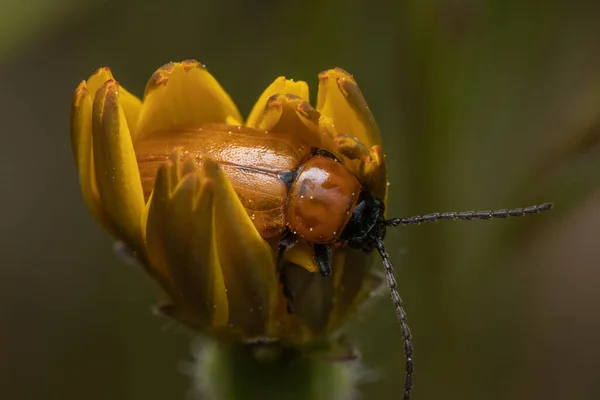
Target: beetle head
x=367, y=224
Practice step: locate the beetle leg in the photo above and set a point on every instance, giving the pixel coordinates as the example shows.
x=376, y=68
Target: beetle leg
x=287, y=241
x=324, y=257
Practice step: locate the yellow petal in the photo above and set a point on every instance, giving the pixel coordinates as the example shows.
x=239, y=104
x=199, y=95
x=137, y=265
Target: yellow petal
x=354, y=153
x=155, y=213
x=351, y=147
x=181, y=246
x=246, y=259
x=371, y=167
x=144, y=219
x=205, y=254
x=302, y=254
x=288, y=114
x=281, y=85
x=184, y=94
x=131, y=107
x=81, y=141
x=375, y=173
x=98, y=78
x=116, y=167
x=340, y=99
x=130, y=103
x=313, y=296
x=355, y=282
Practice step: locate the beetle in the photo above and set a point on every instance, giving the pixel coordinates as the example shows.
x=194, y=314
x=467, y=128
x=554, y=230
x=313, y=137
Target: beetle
x=294, y=192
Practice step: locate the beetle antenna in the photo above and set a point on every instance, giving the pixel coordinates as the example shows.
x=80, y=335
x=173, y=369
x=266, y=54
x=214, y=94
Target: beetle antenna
x=469, y=215
x=401, y=314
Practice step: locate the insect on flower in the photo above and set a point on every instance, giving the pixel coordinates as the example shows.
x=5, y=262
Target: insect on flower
x=219, y=211
x=304, y=194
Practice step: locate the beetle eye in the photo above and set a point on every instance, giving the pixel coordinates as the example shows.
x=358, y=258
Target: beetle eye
x=367, y=218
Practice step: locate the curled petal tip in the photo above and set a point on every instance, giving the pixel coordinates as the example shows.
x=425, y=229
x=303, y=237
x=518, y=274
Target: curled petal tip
x=281, y=87
x=323, y=74
x=274, y=104
x=106, y=86
x=189, y=165
x=159, y=78
x=80, y=92
x=103, y=70
x=98, y=78
x=211, y=166
x=291, y=96
x=350, y=90
x=377, y=152
x=191, y=63
x=307, y=111
x=335, y=73
x=351, y=147
x=82, y=87
x=168, y=67
x=342, y=71
x=164, y=183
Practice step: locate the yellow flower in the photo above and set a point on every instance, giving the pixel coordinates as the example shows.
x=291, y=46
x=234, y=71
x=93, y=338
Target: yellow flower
x=148, y=175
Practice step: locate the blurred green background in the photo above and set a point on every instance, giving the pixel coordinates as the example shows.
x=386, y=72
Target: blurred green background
x=482, y=104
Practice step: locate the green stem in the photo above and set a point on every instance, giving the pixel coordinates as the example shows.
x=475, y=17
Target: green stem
x=271, y=372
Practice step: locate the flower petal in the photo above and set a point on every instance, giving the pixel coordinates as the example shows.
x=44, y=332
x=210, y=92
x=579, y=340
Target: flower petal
x=370, y=168
x=288, y=114
x=130, y=103
x=246, y=259
x=375, y=173
x=281, y=85
x=98, y=78
x=116, y=168
x=184, y=94
x=313, y=296
x=181, y=246
x=355, y=282
x=340, y=99
x=302, y=254
x=81, y=141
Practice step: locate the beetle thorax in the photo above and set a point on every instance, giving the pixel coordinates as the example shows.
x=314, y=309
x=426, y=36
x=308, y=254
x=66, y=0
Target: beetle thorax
x=321, y=199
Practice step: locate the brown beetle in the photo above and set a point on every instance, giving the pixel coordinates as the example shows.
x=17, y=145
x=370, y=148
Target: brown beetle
x=295, y=192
